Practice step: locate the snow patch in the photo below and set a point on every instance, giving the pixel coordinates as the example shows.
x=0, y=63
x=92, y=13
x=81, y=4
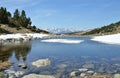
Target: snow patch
x=67, y=41
x=109, y=39
x=23, y=36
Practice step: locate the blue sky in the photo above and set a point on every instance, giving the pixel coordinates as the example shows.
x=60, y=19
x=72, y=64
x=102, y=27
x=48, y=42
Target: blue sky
x=81, y=14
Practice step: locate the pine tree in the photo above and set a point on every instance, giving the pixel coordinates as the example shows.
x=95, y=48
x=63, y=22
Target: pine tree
x=16, y=15
x=4, y=16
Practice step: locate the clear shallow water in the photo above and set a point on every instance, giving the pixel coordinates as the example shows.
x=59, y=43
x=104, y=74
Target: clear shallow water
x=65, y=58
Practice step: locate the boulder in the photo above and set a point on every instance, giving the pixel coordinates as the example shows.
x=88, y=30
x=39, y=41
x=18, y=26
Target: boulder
x=88, y=65
x=73, y=74
x=38, y=76
x=117, y=76
x=90, y=72
x=83, y=69
x=41, y=63
x=82, y=75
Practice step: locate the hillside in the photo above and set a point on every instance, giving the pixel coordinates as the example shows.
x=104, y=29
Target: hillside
x=105, y=30
x=6, y=29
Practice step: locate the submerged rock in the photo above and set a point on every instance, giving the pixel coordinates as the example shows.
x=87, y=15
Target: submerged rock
x=22, y=65
x=88, y=65
x=83, y=69
x=41, y=63
x=10, y=71
x=19, y=73
x=90, y=72
x=13, y=73
x=38, y=76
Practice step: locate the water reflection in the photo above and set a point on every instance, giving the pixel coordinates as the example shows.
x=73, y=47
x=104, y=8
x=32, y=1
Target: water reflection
x=21, y=50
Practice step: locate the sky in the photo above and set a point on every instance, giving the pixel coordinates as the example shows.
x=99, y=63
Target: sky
x=79, y=14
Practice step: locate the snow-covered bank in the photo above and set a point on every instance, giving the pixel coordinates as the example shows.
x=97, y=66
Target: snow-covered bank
x=63, y=41
x=109, y=39
x=22, y=36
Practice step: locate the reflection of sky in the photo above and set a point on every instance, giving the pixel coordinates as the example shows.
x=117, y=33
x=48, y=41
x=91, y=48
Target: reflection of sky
x=86, y=48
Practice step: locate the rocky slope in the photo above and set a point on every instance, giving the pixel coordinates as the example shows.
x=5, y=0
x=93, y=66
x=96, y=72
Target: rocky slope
x=105, y=30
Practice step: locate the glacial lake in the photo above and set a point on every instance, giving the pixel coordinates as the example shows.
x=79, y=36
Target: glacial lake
x=65, y=58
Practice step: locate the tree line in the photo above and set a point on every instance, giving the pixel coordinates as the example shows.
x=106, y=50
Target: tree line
x=17, y=20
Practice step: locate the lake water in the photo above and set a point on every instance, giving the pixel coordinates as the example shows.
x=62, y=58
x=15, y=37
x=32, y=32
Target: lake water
x=65, y=58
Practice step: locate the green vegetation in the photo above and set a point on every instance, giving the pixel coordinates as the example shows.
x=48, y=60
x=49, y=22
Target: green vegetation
x=19, y=20
x=109, y=29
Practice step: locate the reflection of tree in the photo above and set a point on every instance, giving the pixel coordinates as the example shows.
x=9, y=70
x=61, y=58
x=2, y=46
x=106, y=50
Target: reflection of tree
x=5, y=53
x=21, y=50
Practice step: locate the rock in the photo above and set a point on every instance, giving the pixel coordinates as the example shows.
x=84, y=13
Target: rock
x=22, y=65
x=99, y=76
x=2, y=75
x=38, y=76
x=95, y=74
x=41, y=63
x=90, y=72
x=62, y=66
x=82, y=75
x=12, y=76
x=88, y=65
x=10, y=71
x=83, y=69
x=73, y=74
x=117, y=76
x=19, y=73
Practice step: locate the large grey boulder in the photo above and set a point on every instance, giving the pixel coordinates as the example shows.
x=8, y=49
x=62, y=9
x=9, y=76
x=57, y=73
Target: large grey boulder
x=38, y=76
x=41, y=63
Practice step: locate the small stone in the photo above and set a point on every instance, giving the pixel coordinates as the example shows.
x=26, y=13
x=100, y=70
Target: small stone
x=10, y=71
x=73, y=74
x=19, y=73
x=83, y=69
x=22, y=65
x=90, y=72
x=82, y=75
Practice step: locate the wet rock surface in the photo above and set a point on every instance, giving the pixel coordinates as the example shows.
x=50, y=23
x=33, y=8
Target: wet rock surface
x=41, y=63
x=37, y=76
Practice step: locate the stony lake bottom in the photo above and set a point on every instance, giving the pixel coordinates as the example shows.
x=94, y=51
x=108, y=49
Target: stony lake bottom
x=65, y=58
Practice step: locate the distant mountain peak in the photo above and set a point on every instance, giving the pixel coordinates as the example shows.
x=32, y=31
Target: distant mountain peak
x=63, y=30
